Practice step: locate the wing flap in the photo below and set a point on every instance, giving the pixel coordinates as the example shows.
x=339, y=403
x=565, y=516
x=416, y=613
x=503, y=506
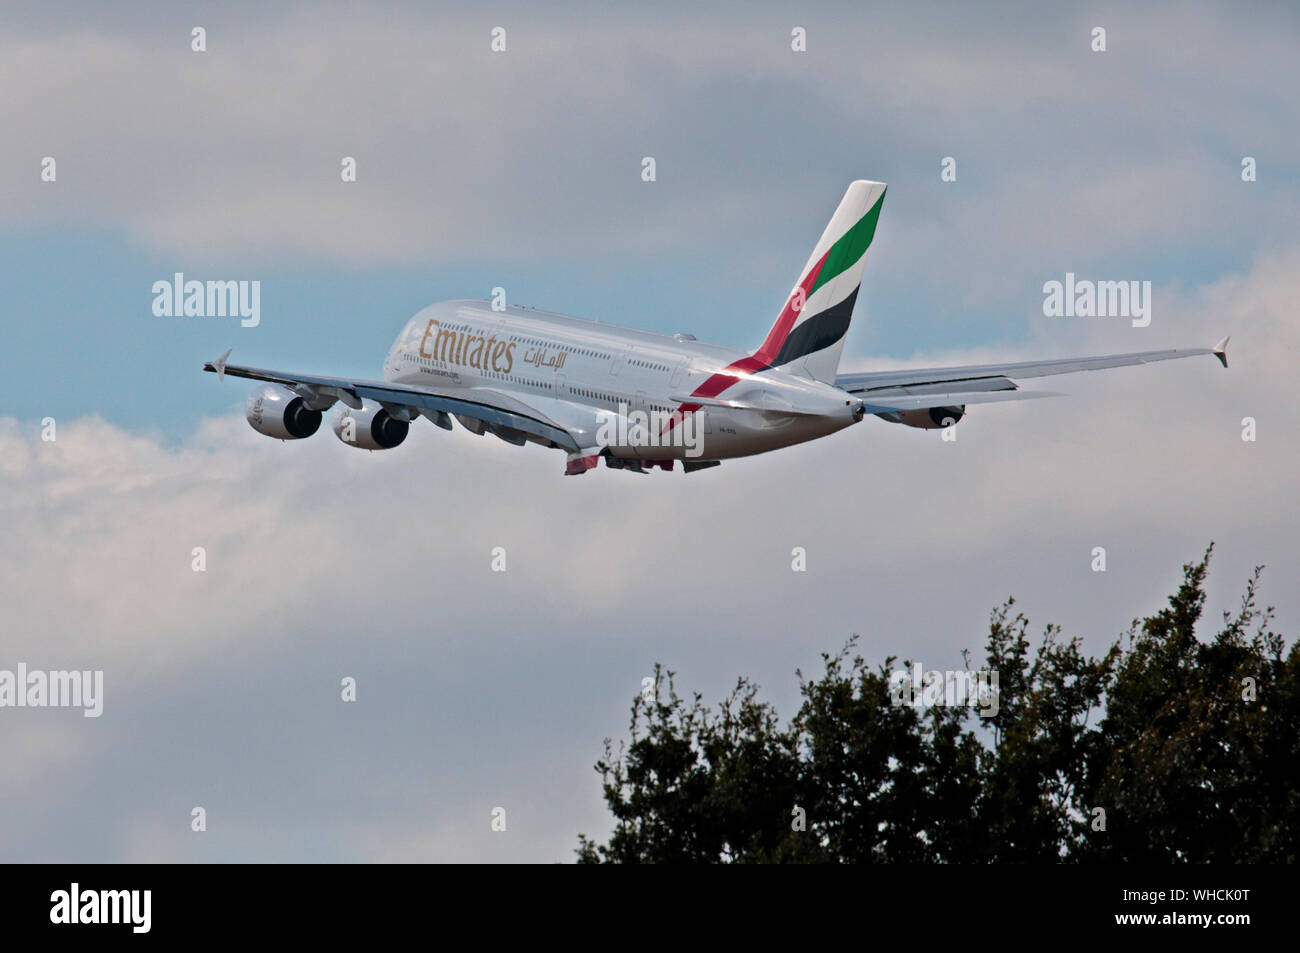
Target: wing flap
x=866, y=383
x=892, y=404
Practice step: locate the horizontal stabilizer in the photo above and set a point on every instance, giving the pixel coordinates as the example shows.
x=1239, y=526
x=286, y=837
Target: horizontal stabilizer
x=782, y=408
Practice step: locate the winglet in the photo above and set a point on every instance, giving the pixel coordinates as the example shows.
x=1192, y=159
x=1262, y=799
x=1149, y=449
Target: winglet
x=219, y=365
x=1221, y=351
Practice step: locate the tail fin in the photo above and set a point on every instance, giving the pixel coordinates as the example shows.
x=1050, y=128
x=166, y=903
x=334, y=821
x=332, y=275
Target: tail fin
x=809, y=335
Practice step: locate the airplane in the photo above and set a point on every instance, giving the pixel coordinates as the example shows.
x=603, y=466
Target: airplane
x=639, y=399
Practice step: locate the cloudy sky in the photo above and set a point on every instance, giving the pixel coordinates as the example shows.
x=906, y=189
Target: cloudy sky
x=522, y=169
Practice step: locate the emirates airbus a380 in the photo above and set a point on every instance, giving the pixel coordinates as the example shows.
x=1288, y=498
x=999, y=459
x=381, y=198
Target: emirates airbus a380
x=640, y=399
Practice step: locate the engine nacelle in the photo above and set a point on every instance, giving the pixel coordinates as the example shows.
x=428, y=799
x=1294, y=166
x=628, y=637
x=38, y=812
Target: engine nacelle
x=370, y=428
x=929, y=418
x=278, y=412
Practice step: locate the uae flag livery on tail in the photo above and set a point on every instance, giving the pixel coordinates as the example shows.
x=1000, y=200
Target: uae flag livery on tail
x=809, y=335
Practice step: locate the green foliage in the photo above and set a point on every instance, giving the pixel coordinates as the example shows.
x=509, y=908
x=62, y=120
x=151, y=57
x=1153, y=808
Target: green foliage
x=1165, y=748
x=695, y=785
x=1195, y=770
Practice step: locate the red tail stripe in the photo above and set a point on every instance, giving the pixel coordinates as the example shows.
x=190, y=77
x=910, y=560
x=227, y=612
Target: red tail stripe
x=789, y=314
x=763, y=357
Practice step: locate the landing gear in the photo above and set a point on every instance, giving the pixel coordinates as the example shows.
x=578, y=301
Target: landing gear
x=690, y=466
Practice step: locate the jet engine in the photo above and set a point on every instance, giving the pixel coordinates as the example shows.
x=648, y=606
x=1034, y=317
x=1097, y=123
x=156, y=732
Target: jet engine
x=278, y=412
x=370, y=428
x=928, y=418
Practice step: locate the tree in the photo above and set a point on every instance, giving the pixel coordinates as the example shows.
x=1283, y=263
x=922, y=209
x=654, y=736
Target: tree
x=1199, y=754
x=694, y=785
x=1165, y=748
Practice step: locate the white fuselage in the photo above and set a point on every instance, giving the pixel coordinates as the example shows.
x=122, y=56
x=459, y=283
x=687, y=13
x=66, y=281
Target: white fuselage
x=550, y=360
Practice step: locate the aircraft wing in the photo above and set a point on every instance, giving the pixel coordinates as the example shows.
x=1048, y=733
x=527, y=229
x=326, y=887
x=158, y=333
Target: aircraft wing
x=479, y=409
x=915, y=389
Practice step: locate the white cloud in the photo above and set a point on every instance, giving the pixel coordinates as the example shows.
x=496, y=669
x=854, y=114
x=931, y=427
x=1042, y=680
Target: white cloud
x=536, y=152
x=477, y=687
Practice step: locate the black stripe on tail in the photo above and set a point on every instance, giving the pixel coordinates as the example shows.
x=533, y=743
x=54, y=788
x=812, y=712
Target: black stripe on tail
x=818, y=332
